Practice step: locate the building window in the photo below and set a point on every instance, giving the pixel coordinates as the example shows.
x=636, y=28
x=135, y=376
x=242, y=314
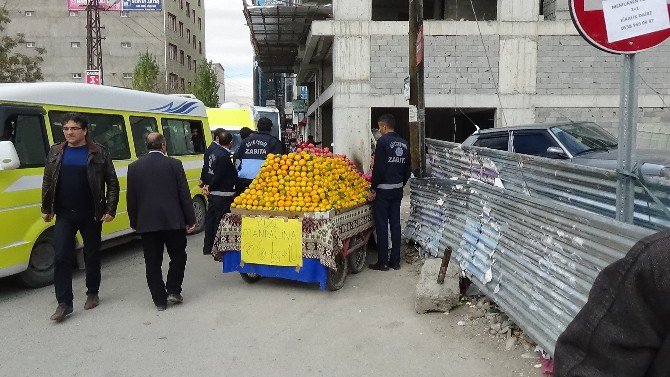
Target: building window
x=172, y=21
x=193, y=15
x=188, y=59
x=181, y=57
x=126, y=44
x=181, y=29
x=74, y=14
x=75, y=44
x=181, y=4
x=189, y=84
x=188, y=35
x=200, y=23
x=76, y=76
x=172, y=51
x=125, y=13
x=183, y=84
x=200, y=47
x=30, y=44
x=195, y=66
x=188, y=8
x=30, y=13
x=195, y=44
x=127, y=75
x=199, y=3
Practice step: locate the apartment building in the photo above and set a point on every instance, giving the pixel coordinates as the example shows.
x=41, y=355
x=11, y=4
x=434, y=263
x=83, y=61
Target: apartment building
x=175, y=35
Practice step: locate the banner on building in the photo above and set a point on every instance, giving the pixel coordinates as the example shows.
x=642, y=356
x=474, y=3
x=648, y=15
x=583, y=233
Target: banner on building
x=103, y=5
x=133, y=5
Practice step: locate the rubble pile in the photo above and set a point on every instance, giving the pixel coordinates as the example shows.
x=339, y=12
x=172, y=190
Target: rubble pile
x=486, y=314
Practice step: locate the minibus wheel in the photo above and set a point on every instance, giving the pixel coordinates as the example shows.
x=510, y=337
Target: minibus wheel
x=40, y=270
x=200, y=209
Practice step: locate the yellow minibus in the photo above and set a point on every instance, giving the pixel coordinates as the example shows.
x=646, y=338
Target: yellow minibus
x=119, y=119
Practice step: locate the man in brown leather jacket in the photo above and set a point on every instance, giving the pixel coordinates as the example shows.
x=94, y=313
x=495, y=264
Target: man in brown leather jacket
x=81, y=189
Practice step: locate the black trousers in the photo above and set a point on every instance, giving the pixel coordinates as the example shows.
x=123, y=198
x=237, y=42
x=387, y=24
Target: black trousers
x=218, y=206
x=386, y=209
x=65, y=231
x=153, y=244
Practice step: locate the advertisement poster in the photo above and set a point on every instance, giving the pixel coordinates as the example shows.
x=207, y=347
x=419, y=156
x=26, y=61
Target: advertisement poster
x=104, y=5
x=134, y=5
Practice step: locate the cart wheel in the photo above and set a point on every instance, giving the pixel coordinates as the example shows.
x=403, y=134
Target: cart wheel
x=336, y=278
x=358, y=258
x=250, y=278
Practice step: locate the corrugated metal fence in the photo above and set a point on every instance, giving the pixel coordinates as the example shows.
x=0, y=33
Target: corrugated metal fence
x=517, y=228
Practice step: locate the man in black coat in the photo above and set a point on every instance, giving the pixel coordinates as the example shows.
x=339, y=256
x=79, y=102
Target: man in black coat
x=221, y=178
x=161, y=210
x=624, y=328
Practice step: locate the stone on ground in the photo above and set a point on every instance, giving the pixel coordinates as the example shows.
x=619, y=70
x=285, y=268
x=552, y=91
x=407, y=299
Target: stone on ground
x=433, y=297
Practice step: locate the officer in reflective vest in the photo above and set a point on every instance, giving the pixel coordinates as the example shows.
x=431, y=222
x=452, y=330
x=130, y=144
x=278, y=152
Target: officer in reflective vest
x=253, y=152
x=390, y=173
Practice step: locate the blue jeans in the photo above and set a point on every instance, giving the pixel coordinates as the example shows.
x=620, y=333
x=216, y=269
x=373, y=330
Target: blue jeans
x=65, y=231
x=387, y=212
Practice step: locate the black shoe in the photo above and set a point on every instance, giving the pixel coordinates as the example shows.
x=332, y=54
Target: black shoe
x=61, y=312
x=379, y=267
x=92, y=301
x=175, y=298
x=161, y=308
x=395, y=266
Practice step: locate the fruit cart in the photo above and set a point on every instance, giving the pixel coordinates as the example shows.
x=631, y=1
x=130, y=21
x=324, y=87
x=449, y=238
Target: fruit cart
x=332, y=244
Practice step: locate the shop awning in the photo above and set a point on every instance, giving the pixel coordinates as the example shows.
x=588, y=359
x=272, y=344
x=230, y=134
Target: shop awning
x=277, y=32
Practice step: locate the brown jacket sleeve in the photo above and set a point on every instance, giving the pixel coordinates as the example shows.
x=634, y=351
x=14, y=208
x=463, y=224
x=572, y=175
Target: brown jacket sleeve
x=112, y=183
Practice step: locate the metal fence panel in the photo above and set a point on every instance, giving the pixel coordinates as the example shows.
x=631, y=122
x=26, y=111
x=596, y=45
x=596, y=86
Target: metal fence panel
x=532, y=233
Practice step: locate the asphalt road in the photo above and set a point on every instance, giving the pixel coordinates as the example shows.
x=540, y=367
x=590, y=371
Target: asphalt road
x=228, y=327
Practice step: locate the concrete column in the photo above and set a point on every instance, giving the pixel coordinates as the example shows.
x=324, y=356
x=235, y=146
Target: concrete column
x=517, y=65
x=518, y=10
x=351, y=116
x=344, y=10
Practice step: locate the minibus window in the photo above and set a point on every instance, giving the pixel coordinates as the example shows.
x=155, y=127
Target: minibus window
x=179, y=137
x=106, y=129
x=28, y=135
x=141, y=127
x=197, y=136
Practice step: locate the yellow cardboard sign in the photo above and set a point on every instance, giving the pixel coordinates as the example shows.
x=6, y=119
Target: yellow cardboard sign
x=272, y=241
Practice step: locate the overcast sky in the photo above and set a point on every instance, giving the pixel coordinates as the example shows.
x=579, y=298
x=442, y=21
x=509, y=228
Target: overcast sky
x=227, y=39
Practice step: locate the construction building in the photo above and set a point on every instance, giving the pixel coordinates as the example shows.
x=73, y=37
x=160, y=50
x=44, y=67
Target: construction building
x=175, y=35
x=487, y=64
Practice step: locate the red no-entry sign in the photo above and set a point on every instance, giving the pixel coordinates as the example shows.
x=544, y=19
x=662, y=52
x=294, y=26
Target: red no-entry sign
x=622, y=26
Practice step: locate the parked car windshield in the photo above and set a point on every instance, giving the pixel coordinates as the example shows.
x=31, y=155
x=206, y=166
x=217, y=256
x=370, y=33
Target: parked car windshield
x=580, y=138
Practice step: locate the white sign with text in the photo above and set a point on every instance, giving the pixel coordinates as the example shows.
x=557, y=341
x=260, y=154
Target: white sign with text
x=632, y=18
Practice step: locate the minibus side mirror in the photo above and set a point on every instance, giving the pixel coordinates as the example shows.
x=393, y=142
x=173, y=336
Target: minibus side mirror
x=9, y=159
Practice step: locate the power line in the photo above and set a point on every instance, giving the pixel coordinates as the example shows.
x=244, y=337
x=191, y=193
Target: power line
x=486, y=53
x=665, y=105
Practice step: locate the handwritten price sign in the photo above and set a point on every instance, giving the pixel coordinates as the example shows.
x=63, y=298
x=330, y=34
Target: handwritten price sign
x=272, y=241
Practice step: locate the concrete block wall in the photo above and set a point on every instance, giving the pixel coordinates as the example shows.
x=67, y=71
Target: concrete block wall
x=652, y=122
x=388, y=64
x=568, y=65
x=454, y=64
x=459, y=64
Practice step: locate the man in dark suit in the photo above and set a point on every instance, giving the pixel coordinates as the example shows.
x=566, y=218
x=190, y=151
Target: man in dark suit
x=161, y=210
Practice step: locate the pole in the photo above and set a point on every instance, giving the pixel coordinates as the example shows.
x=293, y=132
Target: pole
x=625, y=201
x=417, y=106
x=94, y=38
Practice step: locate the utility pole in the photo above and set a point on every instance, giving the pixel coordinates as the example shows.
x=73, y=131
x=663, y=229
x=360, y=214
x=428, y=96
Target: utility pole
x=417, y=103
x=94, y=38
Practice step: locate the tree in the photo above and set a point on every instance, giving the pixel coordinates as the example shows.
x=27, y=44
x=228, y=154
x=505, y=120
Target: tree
x=15, y=66
x=145, y=77
x=206, y=86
